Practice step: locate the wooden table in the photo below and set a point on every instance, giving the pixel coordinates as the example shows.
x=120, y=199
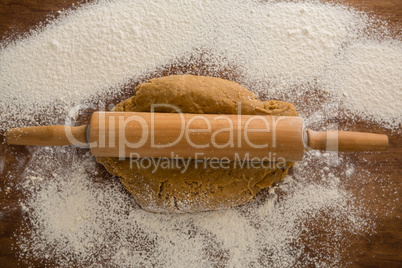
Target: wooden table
x=383, y=249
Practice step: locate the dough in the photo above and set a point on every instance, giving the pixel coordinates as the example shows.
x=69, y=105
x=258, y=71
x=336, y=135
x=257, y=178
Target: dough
x=176, y=190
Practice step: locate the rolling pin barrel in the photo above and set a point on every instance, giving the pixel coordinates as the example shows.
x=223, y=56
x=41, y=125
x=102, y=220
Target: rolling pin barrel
x=204, y=136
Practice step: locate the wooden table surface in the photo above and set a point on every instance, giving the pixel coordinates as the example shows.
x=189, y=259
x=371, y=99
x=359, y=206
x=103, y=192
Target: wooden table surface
x=381, y=249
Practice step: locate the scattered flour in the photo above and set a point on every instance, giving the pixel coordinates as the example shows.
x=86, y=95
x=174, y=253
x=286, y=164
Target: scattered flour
x=88, y=222
x=368, y=75
x=274, y=46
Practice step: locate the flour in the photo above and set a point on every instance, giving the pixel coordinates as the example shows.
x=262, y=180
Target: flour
x=94, y=50
x=75, y=216
x=283, y=50
x=368, y=76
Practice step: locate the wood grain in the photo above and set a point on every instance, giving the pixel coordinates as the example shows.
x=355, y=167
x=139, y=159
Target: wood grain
x=381, y=249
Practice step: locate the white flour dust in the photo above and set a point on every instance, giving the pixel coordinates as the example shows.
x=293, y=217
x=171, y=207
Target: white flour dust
x=104, y=45
x=89, y=222
x=277, y=48
x=368, y=78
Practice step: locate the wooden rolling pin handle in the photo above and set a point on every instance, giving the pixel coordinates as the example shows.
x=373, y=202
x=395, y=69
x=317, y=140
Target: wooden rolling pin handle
x=346, y=141
x=47, y=135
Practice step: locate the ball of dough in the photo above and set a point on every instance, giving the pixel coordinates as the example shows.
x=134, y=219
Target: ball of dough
x=198, y=187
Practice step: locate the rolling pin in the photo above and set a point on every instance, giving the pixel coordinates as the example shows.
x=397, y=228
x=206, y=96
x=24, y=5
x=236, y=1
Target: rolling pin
x=197, y=136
